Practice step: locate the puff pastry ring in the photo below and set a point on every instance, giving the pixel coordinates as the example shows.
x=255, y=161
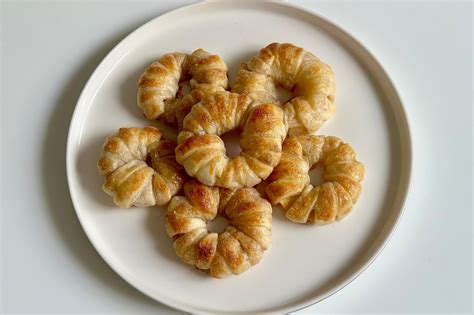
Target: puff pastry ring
x=160, y=87
x=202, y=152
x=140, y=168
x=289, y=184
x=310, y=80
x=233, y=251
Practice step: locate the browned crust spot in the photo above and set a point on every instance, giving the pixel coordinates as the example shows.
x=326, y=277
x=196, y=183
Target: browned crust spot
x=204, y=251
x=195, y=141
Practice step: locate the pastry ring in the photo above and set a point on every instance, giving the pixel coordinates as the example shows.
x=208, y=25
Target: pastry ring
x=140, y=168
x=160, y=86
x=233, y=251
x=311, y=82
x=202, y=152
x=289, y=184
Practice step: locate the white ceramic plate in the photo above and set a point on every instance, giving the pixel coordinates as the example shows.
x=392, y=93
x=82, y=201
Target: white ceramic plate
x=305, y=264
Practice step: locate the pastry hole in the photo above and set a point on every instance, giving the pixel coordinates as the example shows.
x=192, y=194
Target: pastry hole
x=231, y=142
x=149, y=161
x=217, y=225
x=283, y=95
x=183, y=89
x=316, y=174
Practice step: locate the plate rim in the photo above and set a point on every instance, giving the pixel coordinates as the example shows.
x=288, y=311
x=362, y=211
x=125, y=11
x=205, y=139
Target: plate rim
x=300, y=303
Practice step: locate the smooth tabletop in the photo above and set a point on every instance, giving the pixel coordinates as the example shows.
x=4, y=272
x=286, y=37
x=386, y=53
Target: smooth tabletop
x=48, y=51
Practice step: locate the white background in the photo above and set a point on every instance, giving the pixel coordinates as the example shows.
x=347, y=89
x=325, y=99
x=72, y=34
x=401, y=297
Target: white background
x=48, y=51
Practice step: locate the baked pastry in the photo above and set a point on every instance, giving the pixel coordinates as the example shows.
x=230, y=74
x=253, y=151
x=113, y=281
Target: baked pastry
x=202, y=152
x=140, y=168
x=160, y=87
x=233, y=251
x=311, y=81
x=289, y=184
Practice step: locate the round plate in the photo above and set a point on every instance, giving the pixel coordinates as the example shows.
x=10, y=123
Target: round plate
x=305, y=263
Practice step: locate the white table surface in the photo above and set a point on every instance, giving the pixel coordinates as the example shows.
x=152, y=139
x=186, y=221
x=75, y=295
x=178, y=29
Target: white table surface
x=48, y=51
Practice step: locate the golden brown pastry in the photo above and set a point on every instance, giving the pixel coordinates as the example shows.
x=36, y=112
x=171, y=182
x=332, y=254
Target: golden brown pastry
x=233, y=251
x=289, y=184
x=140, y=168
x=160, y=87
x=311, y=81
x=202, y=152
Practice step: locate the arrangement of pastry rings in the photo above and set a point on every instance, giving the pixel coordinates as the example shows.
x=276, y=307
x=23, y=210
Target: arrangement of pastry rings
x=196, y=178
